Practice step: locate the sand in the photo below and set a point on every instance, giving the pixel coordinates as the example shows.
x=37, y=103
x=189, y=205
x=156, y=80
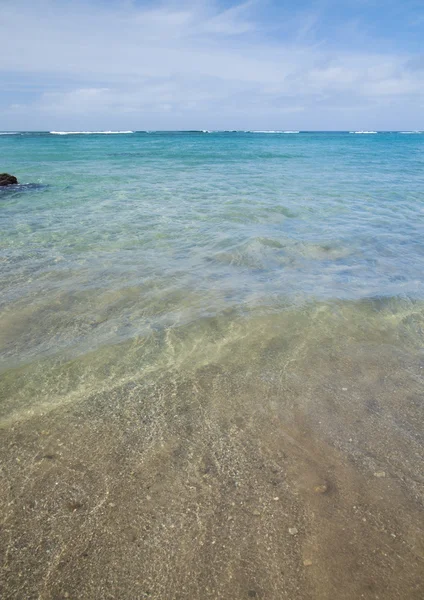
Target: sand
x=255, y=472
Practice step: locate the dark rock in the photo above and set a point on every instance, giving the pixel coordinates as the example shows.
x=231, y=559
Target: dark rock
x=6, y=179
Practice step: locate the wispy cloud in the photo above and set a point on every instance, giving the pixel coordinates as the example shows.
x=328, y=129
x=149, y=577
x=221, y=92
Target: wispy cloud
x=183, y=65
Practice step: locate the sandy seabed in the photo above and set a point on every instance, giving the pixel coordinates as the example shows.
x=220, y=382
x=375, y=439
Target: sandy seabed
x=275, y=459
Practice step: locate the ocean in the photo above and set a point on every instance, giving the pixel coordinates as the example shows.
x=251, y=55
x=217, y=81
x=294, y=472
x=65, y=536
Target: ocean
x=212, y=365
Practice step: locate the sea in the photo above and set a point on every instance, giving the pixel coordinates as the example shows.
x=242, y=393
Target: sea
x=212, y=364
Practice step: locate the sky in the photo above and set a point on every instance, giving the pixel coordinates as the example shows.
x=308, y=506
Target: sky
x=211, y=64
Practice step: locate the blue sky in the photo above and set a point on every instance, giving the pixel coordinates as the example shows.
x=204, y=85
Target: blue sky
x=211, y=64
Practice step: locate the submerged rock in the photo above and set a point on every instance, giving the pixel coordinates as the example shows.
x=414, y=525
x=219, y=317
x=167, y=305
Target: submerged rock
x=6, y=179
x=322, y=488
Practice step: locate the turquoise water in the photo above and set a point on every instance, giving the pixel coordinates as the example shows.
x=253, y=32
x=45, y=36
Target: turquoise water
x=212, y=365
x=113, y=236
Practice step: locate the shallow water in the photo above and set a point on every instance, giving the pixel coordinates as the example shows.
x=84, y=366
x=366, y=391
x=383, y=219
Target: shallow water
x=212, y=366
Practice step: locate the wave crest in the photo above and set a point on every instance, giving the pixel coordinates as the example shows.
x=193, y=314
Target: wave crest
x=89, y=132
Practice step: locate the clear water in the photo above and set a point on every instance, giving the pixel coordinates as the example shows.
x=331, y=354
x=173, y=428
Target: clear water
x=146, y=231
x=279, y=275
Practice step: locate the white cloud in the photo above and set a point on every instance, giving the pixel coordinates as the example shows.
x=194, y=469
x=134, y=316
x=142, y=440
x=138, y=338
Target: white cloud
x=191, y=65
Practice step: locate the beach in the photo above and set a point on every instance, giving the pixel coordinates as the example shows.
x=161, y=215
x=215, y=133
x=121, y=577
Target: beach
x=212, y=366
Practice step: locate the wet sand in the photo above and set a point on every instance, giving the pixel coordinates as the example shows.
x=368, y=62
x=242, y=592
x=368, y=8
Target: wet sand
x=277, y=458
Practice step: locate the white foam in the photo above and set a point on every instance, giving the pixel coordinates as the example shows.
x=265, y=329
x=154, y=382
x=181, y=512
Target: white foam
x=89, y=132
x=363, y=132
x=409, y=132
x=279, y=131
x=9, y=132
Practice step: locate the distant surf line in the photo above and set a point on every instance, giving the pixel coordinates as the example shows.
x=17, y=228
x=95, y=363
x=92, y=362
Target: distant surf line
x=271, y=131
x=89, y=132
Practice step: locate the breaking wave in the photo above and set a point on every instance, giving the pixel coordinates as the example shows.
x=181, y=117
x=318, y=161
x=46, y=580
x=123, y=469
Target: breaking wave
x=272, y=131
x=88, y=132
